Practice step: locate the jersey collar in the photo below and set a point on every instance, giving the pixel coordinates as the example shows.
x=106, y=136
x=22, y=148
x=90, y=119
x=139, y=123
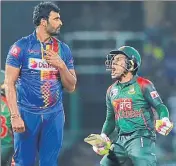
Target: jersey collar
x=129, y=82
x=34, y=34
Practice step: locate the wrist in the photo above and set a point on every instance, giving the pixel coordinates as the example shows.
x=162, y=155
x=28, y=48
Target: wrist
x=61, y=66
x=14, y=115
x=103, y=135
x=165, y=119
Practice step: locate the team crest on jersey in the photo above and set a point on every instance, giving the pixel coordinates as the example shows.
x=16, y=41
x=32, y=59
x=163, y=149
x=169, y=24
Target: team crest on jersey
x=15, y=50
x=40, y=64
x=131, y=91
x=114, y=92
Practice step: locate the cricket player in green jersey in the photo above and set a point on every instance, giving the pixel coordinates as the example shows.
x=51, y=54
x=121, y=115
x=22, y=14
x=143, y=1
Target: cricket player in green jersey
x=130, y=101
x=6, y=132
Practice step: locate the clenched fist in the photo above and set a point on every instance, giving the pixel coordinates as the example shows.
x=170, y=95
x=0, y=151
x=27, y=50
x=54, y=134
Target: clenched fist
x=17, y=124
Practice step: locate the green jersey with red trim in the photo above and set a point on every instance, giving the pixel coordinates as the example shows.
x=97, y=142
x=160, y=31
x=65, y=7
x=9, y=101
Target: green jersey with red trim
x=6, y=131
x=130, y=106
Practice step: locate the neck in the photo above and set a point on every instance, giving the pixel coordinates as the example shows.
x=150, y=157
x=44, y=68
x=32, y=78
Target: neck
x=126, y=78
x=42, y=35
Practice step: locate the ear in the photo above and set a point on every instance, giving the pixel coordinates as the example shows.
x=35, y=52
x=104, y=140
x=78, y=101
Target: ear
x=43, y=22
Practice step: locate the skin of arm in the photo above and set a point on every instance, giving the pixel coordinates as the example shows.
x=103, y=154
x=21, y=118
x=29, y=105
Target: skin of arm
x=11, y=76
x=68, y=77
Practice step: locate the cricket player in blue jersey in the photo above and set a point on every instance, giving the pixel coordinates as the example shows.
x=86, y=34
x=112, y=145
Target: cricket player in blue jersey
x=38, y=68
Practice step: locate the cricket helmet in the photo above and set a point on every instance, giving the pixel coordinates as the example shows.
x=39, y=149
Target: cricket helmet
x=133, y=58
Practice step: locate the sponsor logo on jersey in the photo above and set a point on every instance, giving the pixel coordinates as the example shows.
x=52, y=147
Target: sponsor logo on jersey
x=40, y=64
x=129, y=114
x=15, y=50
x=131, y=91
x=35, y=52
x=124, y=109
x=124, y=104
x=154, y=94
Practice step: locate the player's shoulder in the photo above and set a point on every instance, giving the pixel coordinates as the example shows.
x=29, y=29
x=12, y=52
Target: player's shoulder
x=63, y=45
x=143, y=81
x=111, y=87
x=23, y=41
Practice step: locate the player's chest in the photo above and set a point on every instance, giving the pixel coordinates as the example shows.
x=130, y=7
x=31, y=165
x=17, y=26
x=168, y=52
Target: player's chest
x=34, y=58
x=125, y=97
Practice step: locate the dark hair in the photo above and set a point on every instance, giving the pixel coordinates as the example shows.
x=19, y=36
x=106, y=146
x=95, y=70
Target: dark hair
x=129, y=65
x=42, y=10
x=136, y=69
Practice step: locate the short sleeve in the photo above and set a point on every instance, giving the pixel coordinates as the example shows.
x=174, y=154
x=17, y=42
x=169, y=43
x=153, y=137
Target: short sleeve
x=15, y=54
x=69, y=58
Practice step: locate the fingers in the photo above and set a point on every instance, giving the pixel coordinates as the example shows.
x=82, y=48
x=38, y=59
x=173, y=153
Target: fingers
x=50, y=53
x=51, y=59
x=164, y=130
x=96, y=150
x=52, y=62
x=100, y=151
x=19, y=128
x=47, y=57
x=17, y=125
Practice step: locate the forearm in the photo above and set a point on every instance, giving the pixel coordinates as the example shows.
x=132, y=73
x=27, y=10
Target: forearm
x=11, y=98
x=67, y=78
x=162, y=111
x=108, y=127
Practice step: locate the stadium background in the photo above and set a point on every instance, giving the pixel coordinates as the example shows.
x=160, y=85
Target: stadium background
x=92, y=29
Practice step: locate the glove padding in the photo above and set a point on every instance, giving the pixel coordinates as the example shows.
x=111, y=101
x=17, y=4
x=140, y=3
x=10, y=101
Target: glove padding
x=164, y=126
x=101, y=143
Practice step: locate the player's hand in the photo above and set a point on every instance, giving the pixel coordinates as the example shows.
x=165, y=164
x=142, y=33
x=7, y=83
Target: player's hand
x=103, y=148
x=164, y=126
x=17, y=124
x=54, y=59
x=100, y=143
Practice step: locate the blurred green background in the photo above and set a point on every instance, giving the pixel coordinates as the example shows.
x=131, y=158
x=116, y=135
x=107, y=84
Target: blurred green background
x=92, y=29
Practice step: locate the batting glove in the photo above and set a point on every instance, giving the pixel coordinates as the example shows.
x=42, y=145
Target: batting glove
x=164, y=126
x=100, y=143
x=103, y=148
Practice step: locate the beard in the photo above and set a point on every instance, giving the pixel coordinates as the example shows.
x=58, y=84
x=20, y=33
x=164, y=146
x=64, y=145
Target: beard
x=53, y=32
x=118, y=76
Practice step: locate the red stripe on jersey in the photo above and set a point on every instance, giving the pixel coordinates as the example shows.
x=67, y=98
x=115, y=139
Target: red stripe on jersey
x=143, y=82
x=55, y=45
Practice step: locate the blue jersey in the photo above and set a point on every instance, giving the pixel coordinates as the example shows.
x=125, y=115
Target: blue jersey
x=39, y=87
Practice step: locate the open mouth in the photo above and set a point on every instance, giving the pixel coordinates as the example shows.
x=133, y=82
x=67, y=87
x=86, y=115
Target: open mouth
x=113, y=71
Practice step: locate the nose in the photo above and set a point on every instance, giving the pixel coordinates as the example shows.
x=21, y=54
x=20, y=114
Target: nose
x=61, y=23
